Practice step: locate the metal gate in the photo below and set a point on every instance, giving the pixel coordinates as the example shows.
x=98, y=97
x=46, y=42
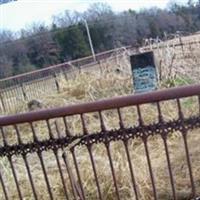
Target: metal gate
x=143, y=146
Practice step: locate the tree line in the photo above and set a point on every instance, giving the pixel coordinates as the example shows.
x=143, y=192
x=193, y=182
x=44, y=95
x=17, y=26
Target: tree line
x=66, y=39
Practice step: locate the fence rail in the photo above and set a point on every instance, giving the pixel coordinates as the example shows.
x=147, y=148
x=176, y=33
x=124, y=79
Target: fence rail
x=63, y=152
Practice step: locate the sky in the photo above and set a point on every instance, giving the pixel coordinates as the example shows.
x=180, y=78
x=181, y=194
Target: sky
x=22, y=13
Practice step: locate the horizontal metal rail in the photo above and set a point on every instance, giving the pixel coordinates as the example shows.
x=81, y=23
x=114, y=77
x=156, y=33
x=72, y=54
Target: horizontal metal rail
x=117, y=102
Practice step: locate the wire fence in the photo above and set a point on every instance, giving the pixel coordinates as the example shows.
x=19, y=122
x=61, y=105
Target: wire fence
x=89, y=151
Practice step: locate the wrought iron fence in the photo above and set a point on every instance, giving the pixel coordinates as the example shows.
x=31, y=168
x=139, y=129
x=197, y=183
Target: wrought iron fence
x=142, y=146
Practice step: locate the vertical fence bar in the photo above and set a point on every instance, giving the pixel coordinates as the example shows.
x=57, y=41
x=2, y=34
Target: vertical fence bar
x=199, y=103
x=56, y=82
x=107, y=145
x=75, y=189
x=15, y=177
x=78, y=173
x=15, y=93
x=181, y=44
x=9, y=107
x=3, y=187
x=34, y=91
x=112, y=170
x=39, y=153
x=12, y=166
x=164, y=138
x=57, y=130
x=13, y=97
x=95, y=172
x=89, y=147
x=2, y=102
x=24, y=156
x=29, y=89
x=55, y=151
x=43, y=84
x=65, y=74
x=77, y=192
x=184, y=135
x=67, y=132
x=23, y=91
x=125, y=142
x=145, y=139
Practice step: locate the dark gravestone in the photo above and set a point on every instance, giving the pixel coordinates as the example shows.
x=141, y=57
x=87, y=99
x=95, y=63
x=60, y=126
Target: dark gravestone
x=144, y=72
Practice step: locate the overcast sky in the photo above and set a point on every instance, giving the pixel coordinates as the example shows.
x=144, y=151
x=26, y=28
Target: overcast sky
x=22, y=13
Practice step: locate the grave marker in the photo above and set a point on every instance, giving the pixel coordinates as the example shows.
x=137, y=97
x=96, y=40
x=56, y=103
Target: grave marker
x=144, y=72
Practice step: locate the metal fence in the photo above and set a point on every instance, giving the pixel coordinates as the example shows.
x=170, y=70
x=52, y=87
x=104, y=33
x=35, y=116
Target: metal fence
x=67, y=66
x=19, y=89
x=56, y=69
x=156, y=44
x=75, y=152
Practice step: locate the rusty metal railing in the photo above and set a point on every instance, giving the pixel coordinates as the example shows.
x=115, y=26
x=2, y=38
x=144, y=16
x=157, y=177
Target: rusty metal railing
x=82, y=151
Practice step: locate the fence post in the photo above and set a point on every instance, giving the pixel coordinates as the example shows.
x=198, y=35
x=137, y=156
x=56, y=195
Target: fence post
x=2, y=102
x=181, y=43
x=79, y=69
x=23, y=91
x=56, y=82
x=65, y=74
x=100, y=67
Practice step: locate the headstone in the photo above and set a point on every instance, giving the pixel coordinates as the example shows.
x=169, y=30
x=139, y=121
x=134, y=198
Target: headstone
x=144, y=72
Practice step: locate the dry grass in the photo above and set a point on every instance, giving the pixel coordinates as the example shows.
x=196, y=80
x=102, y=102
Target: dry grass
x=90, y=87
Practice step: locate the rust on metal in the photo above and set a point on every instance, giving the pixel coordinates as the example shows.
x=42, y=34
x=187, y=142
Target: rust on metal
x=64, y=145
x=106, y=104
